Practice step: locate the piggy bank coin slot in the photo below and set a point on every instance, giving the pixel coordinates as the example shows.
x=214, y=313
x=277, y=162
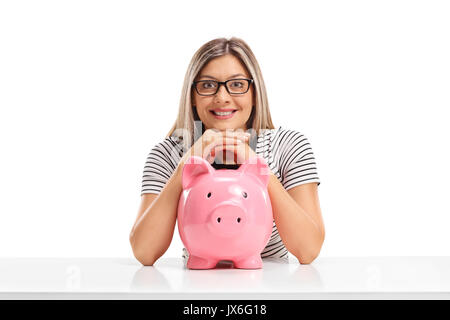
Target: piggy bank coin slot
x=219, y=166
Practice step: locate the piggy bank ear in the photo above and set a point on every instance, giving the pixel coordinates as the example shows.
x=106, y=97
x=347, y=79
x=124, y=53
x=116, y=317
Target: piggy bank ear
x=193, y=168
x=258, y=167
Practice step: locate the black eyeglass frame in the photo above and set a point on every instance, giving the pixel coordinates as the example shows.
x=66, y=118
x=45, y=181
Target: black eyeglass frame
x=219, y=83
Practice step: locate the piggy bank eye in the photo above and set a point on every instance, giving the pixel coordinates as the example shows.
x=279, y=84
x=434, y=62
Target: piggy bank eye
x=244, y=194
x=209, y=195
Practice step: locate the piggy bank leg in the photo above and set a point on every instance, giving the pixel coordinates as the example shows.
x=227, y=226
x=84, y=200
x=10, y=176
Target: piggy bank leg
x=252, y=262
x=195, y=262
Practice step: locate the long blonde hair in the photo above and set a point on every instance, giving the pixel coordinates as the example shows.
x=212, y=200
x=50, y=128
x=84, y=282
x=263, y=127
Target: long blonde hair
x=260, y=117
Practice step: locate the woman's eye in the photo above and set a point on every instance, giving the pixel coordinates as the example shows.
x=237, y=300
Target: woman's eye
x=237, y=84
x=208, y=85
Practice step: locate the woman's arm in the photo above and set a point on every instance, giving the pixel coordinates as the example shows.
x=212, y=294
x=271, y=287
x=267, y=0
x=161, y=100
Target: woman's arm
x=298, y=218
x=153, y=230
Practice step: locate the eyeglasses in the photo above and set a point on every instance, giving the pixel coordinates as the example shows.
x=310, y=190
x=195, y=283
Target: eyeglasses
x=211, y=87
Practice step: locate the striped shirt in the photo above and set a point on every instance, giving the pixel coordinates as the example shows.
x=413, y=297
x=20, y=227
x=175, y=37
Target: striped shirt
x=287, y=152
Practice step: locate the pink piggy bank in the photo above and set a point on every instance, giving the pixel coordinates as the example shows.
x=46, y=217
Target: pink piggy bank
x=225, y=214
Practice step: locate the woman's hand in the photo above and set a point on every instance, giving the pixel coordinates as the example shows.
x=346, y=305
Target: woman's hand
x=214, y=141
x=236, y=153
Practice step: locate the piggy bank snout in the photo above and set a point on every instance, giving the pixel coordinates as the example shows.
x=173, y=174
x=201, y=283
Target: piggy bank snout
x=227, y=219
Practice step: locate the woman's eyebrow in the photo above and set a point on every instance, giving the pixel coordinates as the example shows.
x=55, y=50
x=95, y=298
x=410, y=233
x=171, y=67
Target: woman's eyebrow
x=234, y=75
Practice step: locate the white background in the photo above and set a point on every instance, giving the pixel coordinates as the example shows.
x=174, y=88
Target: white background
x=87, y=88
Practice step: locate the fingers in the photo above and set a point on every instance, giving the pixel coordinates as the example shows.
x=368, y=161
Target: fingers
x=212, y=138
x=211, y=135
x=219, y=142
x=234, y=153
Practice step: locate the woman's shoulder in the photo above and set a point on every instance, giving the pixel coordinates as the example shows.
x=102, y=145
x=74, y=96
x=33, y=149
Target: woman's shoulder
x=294, y=131
x=169, y=147
x=168, y=142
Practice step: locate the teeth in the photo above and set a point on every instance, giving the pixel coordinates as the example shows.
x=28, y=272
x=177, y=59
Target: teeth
x=223, y=113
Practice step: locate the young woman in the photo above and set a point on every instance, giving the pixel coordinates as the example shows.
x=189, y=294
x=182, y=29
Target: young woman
x=224, y=110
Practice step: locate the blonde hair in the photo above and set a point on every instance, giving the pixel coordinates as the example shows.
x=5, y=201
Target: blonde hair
x=260, y=117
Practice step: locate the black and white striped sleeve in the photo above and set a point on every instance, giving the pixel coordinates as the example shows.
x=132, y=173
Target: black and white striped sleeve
x=297, y=162
x=159, y=166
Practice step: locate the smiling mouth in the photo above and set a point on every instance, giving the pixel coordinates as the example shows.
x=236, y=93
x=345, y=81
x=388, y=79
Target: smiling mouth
x=226, y=113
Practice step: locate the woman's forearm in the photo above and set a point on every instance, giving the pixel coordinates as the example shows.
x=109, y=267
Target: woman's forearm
x=152, y=234
x=298, y=231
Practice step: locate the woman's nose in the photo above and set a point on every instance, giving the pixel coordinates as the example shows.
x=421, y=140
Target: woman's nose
x=222, y=94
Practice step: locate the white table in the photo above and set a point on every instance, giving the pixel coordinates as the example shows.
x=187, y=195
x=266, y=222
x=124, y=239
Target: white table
x=325, y=278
